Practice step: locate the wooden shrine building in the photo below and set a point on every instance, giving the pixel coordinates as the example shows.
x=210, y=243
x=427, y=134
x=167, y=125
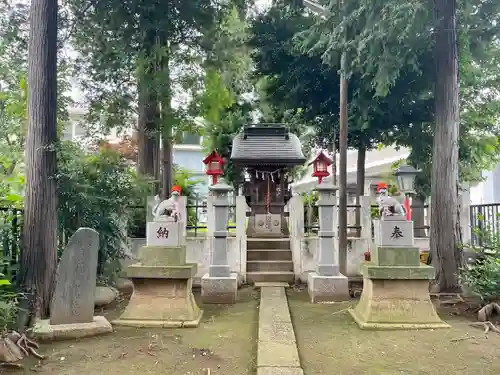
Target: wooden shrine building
x=266, y=153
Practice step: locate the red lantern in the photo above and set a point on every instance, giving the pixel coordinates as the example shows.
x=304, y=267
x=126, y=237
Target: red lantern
x=321, y=164
x=214, y=166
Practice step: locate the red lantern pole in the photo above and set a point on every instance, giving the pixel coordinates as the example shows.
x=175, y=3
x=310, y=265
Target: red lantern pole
x=407, y=207
x=268, y=198
x=215, y=179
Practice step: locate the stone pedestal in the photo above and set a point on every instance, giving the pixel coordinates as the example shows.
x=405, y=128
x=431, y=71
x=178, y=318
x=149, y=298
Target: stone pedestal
x=162, y=294
x=327, y=284
x=267, y=224
x=165, y=233
x=395, y=283
x=219, y=289
x=327, y=288
x=219, y=285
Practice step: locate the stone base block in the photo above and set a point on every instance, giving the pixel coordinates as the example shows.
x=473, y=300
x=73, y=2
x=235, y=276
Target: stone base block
x=396, y=304
x=44, y=331
x=419, y=272
x=327, y=288
x=167, y=303
x=177, y=272
x=222, y=290
x=158, y=255
x=279, y=371
x=396, y=256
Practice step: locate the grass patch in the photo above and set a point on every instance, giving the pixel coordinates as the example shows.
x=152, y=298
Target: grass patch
x=329, y=342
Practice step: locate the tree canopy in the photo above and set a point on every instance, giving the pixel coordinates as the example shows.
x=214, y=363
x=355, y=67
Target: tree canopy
x=303, y=82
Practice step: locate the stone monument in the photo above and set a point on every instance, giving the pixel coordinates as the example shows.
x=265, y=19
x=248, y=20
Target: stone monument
x=72, y=307
x=162, y=279
x=219, y=285
x=395, y=283
x=327, y=284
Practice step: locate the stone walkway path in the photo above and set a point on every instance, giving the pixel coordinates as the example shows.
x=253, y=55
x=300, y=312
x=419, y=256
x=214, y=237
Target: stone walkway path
x=277, y=348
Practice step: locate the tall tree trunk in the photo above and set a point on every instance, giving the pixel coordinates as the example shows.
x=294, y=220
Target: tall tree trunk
x=39, y=253
x=166, y=129
x=167, y=167
x=418, y=215
x=149, y=116
x=343, y=132
x=332, y=149
x=360, y=185
x=149, y=135
x=445, y=229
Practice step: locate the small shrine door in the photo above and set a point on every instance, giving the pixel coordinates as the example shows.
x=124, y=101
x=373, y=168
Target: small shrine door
x=266, y=191
x=266, y=194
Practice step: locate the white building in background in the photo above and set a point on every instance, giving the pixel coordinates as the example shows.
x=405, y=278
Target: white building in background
x=75, y=131
x=378, y=166
x=188, y=153
x=487, y=191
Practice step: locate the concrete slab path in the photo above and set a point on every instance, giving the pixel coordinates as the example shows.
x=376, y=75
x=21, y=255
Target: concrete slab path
x=277, y=352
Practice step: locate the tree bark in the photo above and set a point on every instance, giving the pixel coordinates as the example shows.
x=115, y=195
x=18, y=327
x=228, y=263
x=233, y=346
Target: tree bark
x=332, y=149
x=167, y=167
x=39, y=253
x=166, y=129
x=418, y=215
x=445, y=230
x=342, y=211
x=360, y=185
x=343, y=131
x=149, y=137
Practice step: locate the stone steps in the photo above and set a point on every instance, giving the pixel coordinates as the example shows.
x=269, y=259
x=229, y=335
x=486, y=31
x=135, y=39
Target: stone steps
x=268, y=243
x=269, y=265
x=269, y=254
x=269, y=260
x=280, y=284
x=276, y=276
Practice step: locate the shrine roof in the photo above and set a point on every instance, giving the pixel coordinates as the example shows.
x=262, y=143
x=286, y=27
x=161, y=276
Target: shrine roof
x=267, y=144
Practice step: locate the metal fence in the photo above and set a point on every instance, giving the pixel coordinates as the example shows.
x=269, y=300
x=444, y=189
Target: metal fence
x=311, y=219
x=197, y=225
x=483, y=217
x=485, y=221
x=197, y=212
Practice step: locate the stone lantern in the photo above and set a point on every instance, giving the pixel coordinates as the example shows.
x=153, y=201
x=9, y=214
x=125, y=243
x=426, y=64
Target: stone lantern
x=320, y=165
x=214, y=164
x=405, y=176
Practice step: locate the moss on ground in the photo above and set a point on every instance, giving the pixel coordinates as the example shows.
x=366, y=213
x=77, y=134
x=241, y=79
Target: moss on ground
x=329, y=342
x=225, y=342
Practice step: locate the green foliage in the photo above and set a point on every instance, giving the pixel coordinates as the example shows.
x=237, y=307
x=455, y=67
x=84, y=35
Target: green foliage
x=483, y=277
x=9, y=308
x=375, y=213
x=390, y=46
x=9, y=300
x=14, y=27
x=95, y=190
x=311, y=211
x=297, y=79
x=156, y=47
x=222, y=103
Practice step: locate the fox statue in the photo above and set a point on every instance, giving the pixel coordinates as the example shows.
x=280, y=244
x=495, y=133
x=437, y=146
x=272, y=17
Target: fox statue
x=169, y=209
x=388, y=206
